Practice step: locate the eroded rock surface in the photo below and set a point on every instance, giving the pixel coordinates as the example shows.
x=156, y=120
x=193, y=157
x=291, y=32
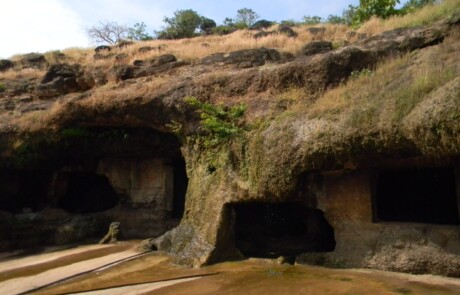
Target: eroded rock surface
x=296, y=150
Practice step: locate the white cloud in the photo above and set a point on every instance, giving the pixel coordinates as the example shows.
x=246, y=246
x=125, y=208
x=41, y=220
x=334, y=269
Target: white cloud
x=38, y=26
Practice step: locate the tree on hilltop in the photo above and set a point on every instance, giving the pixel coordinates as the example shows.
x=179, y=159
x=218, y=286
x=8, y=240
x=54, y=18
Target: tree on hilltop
x=380, y=8
x=184, y=24
x=246, y=17
x=107, y=32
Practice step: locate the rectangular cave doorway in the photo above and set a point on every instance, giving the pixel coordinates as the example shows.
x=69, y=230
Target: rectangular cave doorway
x=421, y=195
x=271, y=230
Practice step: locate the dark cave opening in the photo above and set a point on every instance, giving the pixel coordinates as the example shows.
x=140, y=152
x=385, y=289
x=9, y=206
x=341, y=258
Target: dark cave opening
x=423, y=195
x=180, y=188
x=24, y=190
x=271, y=230
x=86, y=192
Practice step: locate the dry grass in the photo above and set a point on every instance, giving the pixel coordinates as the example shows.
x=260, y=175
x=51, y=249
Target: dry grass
x=192, y=49
x=25, y=74
x=424, y=16
x=116, y=94
x=392, y=90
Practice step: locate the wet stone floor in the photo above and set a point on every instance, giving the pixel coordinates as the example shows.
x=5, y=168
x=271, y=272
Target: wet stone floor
x=120, y=269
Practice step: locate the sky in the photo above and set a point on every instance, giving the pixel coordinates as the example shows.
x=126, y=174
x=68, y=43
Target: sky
x=44, y=25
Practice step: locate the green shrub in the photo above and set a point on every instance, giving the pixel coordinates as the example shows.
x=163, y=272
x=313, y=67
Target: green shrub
x=183, y=24
x=2, y=87
x=368, y=8
x=360, y=73
x=218, y=122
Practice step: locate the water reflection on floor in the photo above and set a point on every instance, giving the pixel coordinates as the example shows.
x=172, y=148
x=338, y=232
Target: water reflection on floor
x=251, y=276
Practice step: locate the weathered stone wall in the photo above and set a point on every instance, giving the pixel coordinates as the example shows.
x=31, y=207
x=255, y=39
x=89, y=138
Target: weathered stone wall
x=146, y=182
x=145, y=188
x=148, y=188
x=347, y=200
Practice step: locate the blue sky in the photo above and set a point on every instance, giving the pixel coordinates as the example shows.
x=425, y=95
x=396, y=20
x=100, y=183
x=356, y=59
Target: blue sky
x=39, y=26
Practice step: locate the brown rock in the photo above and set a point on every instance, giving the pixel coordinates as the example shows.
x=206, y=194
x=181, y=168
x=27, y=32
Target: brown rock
x=316, y=47
x=33, y=60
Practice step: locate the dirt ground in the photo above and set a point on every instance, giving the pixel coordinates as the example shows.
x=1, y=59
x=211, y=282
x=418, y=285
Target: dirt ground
x=120, y=269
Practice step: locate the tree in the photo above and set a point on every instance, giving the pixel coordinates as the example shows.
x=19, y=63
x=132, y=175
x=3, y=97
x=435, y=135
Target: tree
x=138, y=32
x=246, y=17
x=183, y=24
x=228, y=22
x=349, y=14
x=311, y=20
x=379, y=8
x=335, y=19
x=289, y=23
x=107, y=32
x=207, y=25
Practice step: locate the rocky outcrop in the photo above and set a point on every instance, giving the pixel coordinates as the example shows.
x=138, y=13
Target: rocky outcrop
x=316, y=47
x=162, y=64
x=5, y=64
x=269, y=167
x=288, y=31
x=33, y=60
x=245, y=58
x=102, y=48
x=62, y=79
x=283, y=30
x=318, y=153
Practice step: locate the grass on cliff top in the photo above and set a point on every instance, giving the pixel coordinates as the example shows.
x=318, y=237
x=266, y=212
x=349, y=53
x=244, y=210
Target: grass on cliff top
x=193, y=49
x=385, y=95
x=424, y=16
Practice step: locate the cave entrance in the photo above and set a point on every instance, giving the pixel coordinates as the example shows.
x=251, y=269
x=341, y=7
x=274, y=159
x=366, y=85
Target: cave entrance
x=271, y=230
x=24, y=190
x=85, y=192
x=425, y=195
x=180, y=188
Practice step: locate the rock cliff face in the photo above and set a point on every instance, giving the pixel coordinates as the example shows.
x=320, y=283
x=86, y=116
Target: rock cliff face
x=311, y=179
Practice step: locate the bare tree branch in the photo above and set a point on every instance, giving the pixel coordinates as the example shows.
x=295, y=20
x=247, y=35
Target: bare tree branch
x=107, y=32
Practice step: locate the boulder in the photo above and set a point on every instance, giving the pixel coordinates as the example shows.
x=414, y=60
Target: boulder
x=138, y=63
x=121, y=57
x=140, y=68
x=62, y=79
x=316, y=47
x=102, y=48
x=5, y=64
x=123, y=72
x=145, y=49
x=163, y=59
x=99, y=56
x=244, y=58
x=261, y=24
x=124, y=43
x=262, y=34
x=33, y=60
x=288, y=31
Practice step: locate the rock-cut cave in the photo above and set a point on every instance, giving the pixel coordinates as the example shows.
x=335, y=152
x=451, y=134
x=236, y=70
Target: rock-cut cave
x=275, y=229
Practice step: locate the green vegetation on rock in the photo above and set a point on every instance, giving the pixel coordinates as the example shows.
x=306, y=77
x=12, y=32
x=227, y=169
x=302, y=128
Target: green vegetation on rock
x=218, y=122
